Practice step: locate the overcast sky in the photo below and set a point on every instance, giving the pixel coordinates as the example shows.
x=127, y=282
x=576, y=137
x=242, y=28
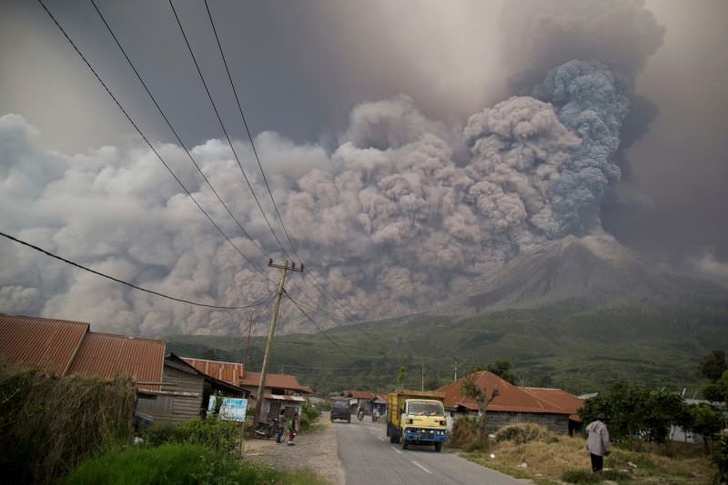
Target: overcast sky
x=412, y=147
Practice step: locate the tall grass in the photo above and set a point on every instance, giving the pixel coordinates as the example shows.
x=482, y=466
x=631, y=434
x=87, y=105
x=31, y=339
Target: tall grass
x=50, y=424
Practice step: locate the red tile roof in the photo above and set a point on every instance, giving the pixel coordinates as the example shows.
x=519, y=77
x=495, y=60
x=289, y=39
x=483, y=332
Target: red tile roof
x=40, y=343
x=105, y=355
x=511, y=398
x=275, y=381
x=231, y=372
x=354, y=394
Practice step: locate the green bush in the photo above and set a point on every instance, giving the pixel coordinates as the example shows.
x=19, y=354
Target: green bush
x=178, y=463
x=309, y=415
x=720, y=459
x=213, y=433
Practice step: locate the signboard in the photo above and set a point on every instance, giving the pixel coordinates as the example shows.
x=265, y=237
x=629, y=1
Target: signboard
x=232, y=409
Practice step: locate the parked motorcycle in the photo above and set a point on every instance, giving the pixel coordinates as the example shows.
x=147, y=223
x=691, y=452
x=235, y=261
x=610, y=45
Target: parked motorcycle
x=266, y=430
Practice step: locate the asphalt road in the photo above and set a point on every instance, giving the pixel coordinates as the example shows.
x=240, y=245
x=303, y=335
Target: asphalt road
x=368, y=457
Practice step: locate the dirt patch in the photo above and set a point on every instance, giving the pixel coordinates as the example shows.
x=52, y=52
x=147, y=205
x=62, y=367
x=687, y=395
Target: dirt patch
x=316, y=450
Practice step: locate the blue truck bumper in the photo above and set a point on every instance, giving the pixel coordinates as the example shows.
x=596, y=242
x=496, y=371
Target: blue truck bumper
x=425, y=435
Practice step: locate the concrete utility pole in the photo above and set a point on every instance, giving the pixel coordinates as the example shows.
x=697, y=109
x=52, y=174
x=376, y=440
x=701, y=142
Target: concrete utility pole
x=271, y=332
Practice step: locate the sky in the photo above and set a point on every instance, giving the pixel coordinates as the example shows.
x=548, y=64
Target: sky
x=409, y=148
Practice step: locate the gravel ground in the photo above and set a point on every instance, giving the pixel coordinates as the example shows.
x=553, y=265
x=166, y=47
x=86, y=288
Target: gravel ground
x=315, y=450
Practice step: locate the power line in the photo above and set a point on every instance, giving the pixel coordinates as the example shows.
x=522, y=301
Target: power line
x=247, y=130
x=161, y=112
x=319, y=328
x=257, y=157
x=131, y=285
x=222, y=125
x=151, y=147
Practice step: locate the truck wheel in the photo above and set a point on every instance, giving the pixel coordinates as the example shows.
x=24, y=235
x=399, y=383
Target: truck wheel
x=404, y=443
x=438, y=446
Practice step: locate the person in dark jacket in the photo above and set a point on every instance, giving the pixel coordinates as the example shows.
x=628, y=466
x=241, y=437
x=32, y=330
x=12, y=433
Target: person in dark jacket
x=597, y=442
x=281, y=426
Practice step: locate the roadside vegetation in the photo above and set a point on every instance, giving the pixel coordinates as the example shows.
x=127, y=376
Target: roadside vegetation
x=74, y=430
x=639, y=421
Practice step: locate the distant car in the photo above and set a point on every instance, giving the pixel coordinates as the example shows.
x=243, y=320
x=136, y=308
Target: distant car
x=341, y=410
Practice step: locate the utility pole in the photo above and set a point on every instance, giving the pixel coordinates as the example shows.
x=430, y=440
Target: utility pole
x=271, y=332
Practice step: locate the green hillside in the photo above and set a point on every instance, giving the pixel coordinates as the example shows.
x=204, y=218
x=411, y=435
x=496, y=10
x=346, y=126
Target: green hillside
x=580, y=351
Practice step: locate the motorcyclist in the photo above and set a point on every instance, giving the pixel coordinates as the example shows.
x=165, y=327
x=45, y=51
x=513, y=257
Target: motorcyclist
x=360, y=414
x=375, y=414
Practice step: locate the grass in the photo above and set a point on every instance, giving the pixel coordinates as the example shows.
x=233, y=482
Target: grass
x=180, y=463
x=551, y=459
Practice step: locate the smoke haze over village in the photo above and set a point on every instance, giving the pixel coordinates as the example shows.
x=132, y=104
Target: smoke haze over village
x=411, y=149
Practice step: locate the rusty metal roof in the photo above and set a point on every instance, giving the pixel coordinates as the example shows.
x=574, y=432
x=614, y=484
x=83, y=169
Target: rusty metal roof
x=106, y=355
x=231, y=372
x=47, y=344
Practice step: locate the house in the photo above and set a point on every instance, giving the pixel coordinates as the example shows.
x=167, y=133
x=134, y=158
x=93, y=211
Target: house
x=185, y=392
x=280, y=392
x=168, y=389
x=359, y=400
x=553, y=408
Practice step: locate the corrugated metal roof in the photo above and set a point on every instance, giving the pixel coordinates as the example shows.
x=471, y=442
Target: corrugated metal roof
x=231, y=372
x=105, y=355
x=39, y=342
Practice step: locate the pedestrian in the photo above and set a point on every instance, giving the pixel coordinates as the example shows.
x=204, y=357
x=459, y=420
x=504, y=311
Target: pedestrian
x=281, y=426
x=292, y=428
x=597, y=442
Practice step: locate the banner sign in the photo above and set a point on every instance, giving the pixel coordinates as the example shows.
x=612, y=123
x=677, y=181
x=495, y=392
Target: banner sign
x=232, y=409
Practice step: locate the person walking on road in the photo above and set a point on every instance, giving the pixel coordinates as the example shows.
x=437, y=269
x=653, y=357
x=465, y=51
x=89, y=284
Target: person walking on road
x=597, y=442
x=281, y=426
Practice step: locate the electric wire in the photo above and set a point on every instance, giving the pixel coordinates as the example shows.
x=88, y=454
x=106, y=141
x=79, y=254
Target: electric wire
x=247, y=130
x=313, y=322
x=174, y=132
x=131, y=285
x=222, y=125
x=144, y=137
x=257, y=158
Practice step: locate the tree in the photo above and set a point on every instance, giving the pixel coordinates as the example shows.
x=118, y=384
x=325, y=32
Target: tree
x=714, y=365
x=480, y=395
x=502, y=368
x=706, y=421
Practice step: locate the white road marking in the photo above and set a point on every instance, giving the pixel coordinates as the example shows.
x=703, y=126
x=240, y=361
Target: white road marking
x=397, y=450
x=421, y=467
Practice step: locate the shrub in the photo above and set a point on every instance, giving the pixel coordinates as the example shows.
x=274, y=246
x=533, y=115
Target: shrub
x=213, y=433
x=179, y=463
x=720, y=460
x=464, y=433
x=50, y=424
x=523, y=433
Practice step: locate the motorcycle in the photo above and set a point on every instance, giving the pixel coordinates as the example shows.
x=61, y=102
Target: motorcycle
x=360, y=414
x=266, y=430
x=375, y=416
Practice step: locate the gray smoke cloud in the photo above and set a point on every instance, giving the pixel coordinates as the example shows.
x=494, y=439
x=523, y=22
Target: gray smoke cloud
x=404, y=212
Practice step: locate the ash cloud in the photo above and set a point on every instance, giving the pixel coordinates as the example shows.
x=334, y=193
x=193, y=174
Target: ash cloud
x=404, y=211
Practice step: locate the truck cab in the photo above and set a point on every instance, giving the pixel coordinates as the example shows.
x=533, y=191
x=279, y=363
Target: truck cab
x=418, y=418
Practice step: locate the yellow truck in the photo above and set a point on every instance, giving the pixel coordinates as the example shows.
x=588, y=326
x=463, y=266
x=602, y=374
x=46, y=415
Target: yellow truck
x=417, y=418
